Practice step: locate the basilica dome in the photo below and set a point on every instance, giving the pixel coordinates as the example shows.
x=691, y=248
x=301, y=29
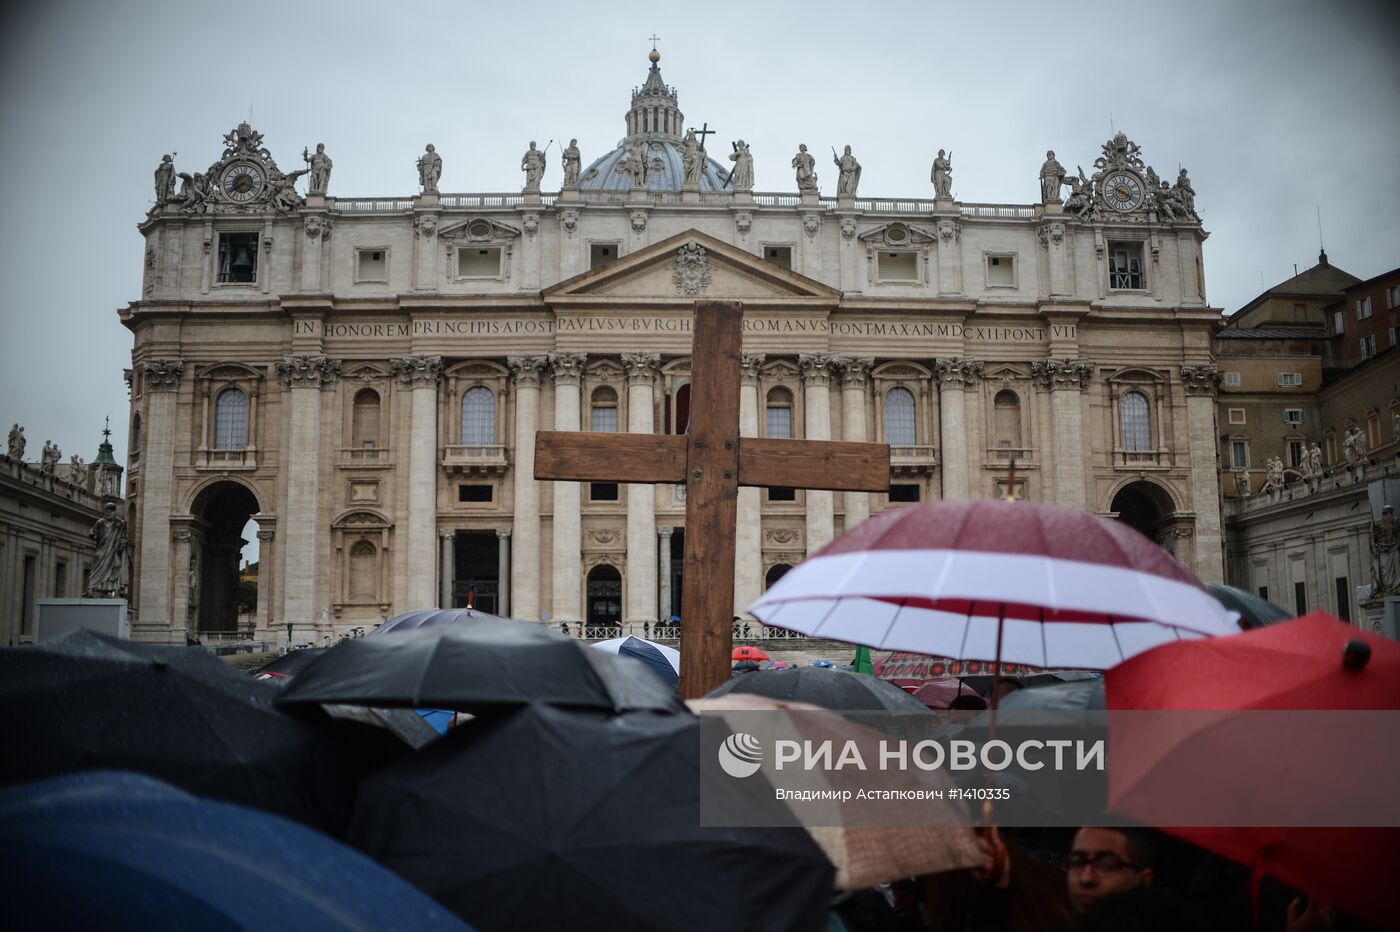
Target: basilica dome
x=655, y=131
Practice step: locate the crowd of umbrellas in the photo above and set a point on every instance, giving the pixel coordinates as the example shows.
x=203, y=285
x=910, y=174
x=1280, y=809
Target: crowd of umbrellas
x=455, y=770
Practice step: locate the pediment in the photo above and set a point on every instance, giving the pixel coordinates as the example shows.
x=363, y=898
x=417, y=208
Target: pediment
x=693, y=266
x=1005, y=374
x=364, y=372
x=479, y=230
x=896, y=235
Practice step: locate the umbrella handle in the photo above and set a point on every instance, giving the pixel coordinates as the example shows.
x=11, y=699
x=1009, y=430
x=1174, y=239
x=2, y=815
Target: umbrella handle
x=996, y=873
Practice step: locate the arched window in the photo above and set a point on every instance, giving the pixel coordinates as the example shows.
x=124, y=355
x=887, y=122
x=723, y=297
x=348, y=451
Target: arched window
x=365, y=420
x=1137, y=425
x=779, y=415
x=603, y=415
x=364, y=572
x=135, y=443
x=478, y=417
x=231, y=420
x=899, y=418
x=775, y=573
x=1006, y=418
x=682, y=420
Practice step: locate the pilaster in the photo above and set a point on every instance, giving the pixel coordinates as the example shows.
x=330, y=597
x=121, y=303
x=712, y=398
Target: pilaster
x=642, y=372
x=525, y=570
x=1201, y=383
x=303, y=377
x=420, y=375
x=855, y=377
x=162, y=384
x=954, y=377
x=1067, y=380
x=748, y=540
x=567, y=585
x=816, y=390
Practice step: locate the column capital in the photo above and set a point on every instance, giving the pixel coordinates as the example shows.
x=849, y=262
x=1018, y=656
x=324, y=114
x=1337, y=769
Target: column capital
x=447, y=535
x=1203, y=379
x=308, y=371
x=665, y=532
x=265, y=536
x=1060, y=374
x=163, y=375
x=750, y=364
x=417, y=371
x=526, y=370
x=816, y=368
x=567, y=367
x=642, y=368
x=503, y=533
x=959, y=372
x=855, y=370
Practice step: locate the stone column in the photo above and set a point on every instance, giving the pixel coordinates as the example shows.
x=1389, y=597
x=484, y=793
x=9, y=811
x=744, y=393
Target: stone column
x=182, y=543
x=663, y=549
x=503, y=582
x=642, y=373
x=419, y=376
x=1201, y=383
x=162, y=383
x=816, y=393
x=855, y=376
x=748, y=534
x=1067, y=380
x=266, y=617
x=954, y=377
x=445, y=574
x=303, y=379
x=567, y=585
x=525, y=572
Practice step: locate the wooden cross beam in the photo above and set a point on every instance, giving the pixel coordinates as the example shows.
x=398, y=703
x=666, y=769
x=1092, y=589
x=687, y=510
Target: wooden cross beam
x=713, y=461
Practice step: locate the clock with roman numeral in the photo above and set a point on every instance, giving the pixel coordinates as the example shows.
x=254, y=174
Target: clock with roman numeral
x=242, y=182
x=1122, y=190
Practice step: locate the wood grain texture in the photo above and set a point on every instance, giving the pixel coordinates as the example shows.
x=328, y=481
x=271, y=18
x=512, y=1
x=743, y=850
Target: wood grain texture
x=609, y=457
x=712, y=495
x=815, y=464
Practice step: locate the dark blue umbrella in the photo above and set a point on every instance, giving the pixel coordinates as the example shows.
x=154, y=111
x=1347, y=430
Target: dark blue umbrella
x=431, y=617
x=115, y=850
x=664, y=661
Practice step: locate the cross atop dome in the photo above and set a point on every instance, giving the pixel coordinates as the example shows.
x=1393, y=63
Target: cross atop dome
x=654, y=105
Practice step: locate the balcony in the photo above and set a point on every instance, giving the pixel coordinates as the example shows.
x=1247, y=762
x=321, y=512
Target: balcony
x=475, y=460
x=364, y=458
x=226, y=460
x=913, y=461
x=1141, y=459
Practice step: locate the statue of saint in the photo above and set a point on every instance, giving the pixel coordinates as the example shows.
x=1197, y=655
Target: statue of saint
x=1242, y=484
x=849, y=179
x=320, y=170
x=942, y=175
x=1185, y=192
x=1315, y=460
x=1385, y=553
x=108, y=578
x=806, y=169
x=16, y=449
x=78, y=471
x=741, y=178
x=1273, y=476
x=1052, y=174
x=573, y=163
x=532, y=164
x=48, y=458
x=429, y=170
x=692, y=161
x=1358, y=443
x=165, y=180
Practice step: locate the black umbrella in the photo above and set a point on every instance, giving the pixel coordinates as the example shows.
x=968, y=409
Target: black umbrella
x=476, y=667
x=1077, y=694
x=1254, y=611
x=290, y=664
x=549, y=818
x=829, y=688
x=86, y=701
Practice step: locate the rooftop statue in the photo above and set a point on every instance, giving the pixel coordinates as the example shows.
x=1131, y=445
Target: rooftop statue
x=532, y=163
x=109, y=576
x=429, y=170
x=16, y=448
x=572, y=162
x=320, y=169
x=741, y=178
x=806, y=169
x=165, y=180
x=849, y=179
x=1052, y=175
x=942, y=175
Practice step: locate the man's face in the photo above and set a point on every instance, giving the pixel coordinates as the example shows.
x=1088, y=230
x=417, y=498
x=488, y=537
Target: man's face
x=1098, y=865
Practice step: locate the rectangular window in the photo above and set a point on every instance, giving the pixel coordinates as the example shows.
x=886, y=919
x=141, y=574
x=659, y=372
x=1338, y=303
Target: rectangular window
x=1394, y=333
x=780, y=494
x=601, y=255
x=1293, y=415
x=1292, y=379
x=475, y=493
x=1125, y=270
x=1239, y=454
x=778, y=255
x=1264, y=593
x=238, y=258
x=903, y=493
x=1392, y=296
x=371, y=265
x=1368, y=347
x=1237, y=416
x=60, y=579
x=1232, y=379
x=1339, y=320
x=479, y=262
x=1296, y=452
x=1343, y=598
x=1001, y=271
x=1300, y=598
x=898, y=266
x=26, y=605
x=602, y=491
x=1363, y=308
x=779, y=423
x=603, y=419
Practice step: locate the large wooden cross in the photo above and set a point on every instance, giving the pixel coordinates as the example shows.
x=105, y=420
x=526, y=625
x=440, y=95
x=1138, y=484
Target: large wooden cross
x=713, y=461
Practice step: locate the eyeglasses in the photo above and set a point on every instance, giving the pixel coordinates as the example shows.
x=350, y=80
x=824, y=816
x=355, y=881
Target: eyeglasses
x=1102, y=862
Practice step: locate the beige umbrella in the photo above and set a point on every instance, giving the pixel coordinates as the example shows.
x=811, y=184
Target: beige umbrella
x=864, y=855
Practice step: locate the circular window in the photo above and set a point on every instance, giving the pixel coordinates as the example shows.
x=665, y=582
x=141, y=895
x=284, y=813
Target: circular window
x=896, y=234
x=479, y=229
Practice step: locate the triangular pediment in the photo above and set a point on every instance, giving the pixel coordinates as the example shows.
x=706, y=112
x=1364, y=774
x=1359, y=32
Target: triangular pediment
x=692, y=266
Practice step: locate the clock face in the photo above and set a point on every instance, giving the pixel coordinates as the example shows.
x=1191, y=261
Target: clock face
x=242, y=183
x=1122, y=190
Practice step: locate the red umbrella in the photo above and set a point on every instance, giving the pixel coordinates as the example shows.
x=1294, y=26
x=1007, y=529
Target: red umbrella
x=940, y=693
x=744, y=652
x=1018, y=582
x=1310, y=663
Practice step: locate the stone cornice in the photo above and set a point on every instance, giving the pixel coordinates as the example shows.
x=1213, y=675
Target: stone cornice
x=308, y=371
x=417, y=371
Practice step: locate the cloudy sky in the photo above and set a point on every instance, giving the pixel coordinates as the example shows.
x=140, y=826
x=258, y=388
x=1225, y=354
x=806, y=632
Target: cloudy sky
x=1277, y=107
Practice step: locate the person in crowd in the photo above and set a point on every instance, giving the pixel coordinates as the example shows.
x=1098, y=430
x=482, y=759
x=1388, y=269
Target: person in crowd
x=1102, y=861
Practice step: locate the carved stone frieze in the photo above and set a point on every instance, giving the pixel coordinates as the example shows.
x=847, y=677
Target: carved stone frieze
x=1057, y=374
x=783, y=535
x=426, y=225
x=811, y=223
x=743, y=222
x=949, y=232
x=568, y=221
x=816, y=368
x=308, y=371
x=417, y=371
x=959, y=373
x=526, y=369
x=691, y=274
x=642, y=368
x=1203, y=379
x=604, y=536
x=318, y=226
x=567, y=367
x=639, y=221
x=848, y=227
x=530, y=223
x=163, y=375
x=1053, y=232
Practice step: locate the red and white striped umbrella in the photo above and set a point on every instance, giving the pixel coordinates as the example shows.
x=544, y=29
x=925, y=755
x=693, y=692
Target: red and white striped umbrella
x=1019, y=582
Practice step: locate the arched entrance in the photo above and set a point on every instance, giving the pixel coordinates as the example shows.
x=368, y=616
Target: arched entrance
x=1144, y=507
x=216, y=554
x=604, y=607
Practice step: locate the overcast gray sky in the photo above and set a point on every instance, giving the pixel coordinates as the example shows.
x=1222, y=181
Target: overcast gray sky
x=1275, y=107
